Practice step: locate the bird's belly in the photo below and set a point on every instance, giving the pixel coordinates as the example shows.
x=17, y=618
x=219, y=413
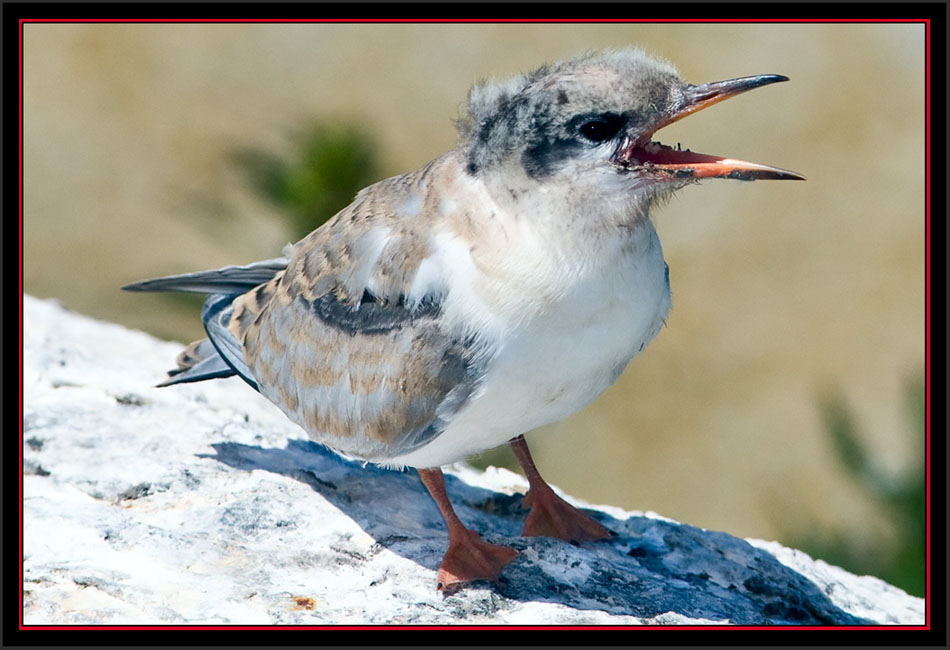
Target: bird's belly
x=557, y=365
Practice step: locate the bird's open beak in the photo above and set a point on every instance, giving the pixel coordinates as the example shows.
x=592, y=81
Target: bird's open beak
x=648, y=157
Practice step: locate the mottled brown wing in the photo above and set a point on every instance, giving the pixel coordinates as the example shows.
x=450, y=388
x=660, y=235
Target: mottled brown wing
x=371, y=380
x=374, y=382
x=333, y=342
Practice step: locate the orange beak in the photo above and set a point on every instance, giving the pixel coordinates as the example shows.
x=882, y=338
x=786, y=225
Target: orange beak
x=648, y=157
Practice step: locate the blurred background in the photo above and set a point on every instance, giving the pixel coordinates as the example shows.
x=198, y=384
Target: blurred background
x=784, y=399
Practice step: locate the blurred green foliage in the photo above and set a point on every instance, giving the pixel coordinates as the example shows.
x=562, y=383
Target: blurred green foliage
x=328, y=164
x=902, y=498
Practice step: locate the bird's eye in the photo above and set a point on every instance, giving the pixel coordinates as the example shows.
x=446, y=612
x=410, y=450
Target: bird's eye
x=601, y=128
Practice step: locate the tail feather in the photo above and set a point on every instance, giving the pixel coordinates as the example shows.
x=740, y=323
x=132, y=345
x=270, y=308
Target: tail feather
x=197, y=362
x=211, y=368
x=194, y=354
x=219, y=355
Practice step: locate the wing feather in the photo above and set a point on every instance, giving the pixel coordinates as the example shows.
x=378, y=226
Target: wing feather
x=341, y=349
x=227, y=280
x=375, y=384
x=344, y=333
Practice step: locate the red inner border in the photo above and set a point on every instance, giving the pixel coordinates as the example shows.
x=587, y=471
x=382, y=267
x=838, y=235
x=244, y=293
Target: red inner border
x=927, y=27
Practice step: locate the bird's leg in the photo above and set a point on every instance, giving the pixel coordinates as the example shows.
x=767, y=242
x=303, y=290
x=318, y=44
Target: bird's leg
x=551, y=516
x=469, y=556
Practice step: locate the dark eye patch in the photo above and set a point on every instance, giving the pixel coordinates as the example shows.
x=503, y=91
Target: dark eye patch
x=546, y=151
x=598, y=128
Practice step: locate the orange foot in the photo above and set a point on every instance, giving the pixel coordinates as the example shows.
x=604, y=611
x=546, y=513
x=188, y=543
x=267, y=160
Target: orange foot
x=471, y=558
x=552, y=516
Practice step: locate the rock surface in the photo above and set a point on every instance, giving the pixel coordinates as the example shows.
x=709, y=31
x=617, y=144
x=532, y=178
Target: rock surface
x=202, y=504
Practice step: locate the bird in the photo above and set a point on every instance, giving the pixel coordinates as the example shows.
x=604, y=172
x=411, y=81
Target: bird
x=500, y=287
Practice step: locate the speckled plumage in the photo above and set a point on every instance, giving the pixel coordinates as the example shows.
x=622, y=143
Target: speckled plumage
x=459, y=300
x=500, y=287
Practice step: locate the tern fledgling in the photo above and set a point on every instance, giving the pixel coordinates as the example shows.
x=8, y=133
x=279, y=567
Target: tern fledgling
x=501, y=287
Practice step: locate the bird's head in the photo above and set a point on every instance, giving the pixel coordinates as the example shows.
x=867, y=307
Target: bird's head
x=586, y=126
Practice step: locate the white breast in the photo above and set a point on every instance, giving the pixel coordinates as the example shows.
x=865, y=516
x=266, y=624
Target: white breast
x=560, y=357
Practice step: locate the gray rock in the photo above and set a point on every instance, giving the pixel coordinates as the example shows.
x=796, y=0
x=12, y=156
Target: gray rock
x=202, y=504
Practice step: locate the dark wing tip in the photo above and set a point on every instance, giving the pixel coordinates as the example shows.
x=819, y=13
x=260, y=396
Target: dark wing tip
x=136, y=286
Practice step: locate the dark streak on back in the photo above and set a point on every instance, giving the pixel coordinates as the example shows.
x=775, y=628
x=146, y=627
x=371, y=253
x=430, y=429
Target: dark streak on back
x=370, y=315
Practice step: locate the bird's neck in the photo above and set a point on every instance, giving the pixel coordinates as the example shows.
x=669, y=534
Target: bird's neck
x=579, y=221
